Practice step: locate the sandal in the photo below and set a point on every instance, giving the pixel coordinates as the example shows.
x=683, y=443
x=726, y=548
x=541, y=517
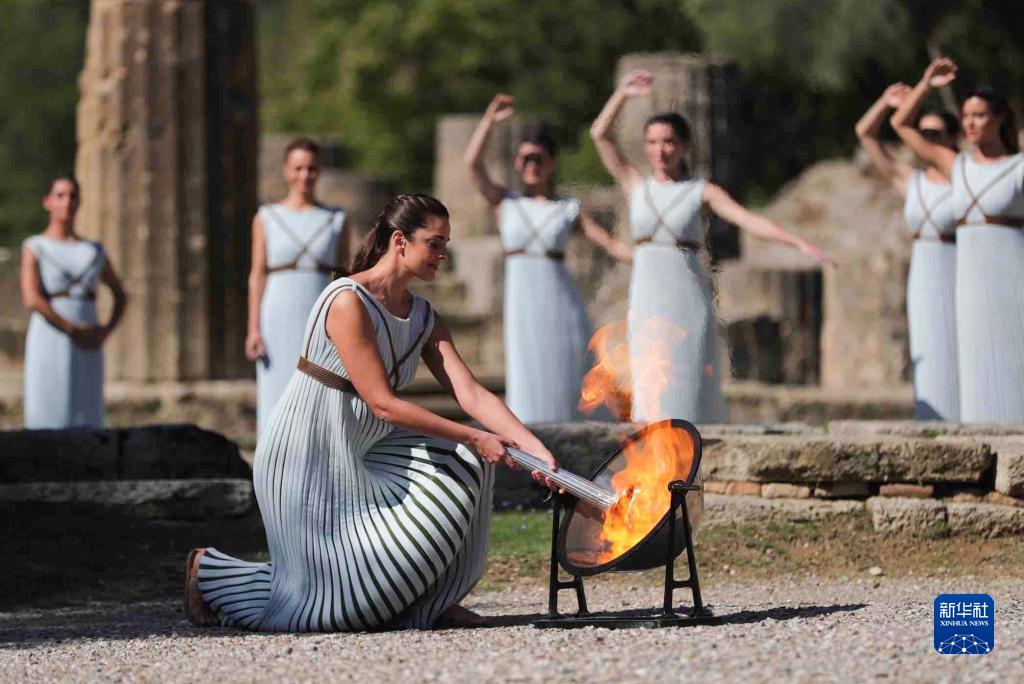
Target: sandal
x=195, y=608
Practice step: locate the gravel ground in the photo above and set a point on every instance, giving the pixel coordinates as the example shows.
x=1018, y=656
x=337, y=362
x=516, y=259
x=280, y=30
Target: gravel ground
x=805, y=631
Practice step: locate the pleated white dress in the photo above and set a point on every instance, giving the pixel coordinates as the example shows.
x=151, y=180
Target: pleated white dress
x=368, y=525
x=988, y=200
x=64, y=382
x=931, y=299
x=674, y=355
x=546, y=323
x=302, y=248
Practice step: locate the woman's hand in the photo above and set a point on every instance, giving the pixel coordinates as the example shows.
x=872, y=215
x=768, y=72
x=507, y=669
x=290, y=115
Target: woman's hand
x=541, y=452
x=491, y=448
x=818, y=255
x=894, y=94
x=636, y=83
x=88, y=337
x=254, y=347
x=501, y=108
x=942, y=71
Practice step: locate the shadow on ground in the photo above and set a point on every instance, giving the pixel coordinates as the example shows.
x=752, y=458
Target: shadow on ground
x=58, y=556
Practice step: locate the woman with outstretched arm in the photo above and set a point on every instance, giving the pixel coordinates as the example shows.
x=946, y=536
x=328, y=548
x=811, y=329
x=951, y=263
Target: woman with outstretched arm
x=671, y=313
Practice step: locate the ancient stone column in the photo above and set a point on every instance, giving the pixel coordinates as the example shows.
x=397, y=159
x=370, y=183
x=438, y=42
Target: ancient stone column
x=167, y=127
x=706, y=91
x=471, y=216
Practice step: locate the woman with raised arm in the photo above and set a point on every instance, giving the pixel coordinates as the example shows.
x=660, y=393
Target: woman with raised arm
x=546, y=325
x=931, y=285
x=988, y=203
x=296, y=245
x=60, y=273
x=671, y=315
x=377, y=511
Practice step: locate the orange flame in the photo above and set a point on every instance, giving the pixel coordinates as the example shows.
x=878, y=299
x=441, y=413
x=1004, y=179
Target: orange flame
x=608, y=382
x=661, y=457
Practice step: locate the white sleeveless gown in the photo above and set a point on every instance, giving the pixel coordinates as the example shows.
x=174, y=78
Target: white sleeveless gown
x=307, y=241
x=931, y=299
x=369, y=526
x=990, y=288
x=546, y=327
x=672, y=325
x=64, y=382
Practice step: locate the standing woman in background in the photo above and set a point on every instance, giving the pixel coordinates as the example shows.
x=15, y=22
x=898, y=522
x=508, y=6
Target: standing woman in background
x=670, y=294
x=296, y=244
x=60, y=273
x=931, y=285
x=546, y=325
x=988, y=202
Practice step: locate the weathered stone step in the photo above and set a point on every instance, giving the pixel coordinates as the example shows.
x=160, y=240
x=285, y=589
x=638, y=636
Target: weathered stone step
x=812, y=460
x=930, y=518
x=189, y=499
x=140, y=453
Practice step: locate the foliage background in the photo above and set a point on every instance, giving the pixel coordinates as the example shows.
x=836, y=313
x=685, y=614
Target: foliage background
x=375, y=74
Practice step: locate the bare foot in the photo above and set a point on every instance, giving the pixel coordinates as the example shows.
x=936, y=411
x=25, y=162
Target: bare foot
x=457, y=616
x=196, y=610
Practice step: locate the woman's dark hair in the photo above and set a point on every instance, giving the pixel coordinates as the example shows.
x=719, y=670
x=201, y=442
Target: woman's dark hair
x=540, y=135
x=999, y=106
x=678, y=122
x=69, y=177
x=305, y=144
x=407, y=213
x=950, y=122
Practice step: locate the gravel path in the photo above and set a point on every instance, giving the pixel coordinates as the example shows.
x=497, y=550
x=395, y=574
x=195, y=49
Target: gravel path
x=806, y=631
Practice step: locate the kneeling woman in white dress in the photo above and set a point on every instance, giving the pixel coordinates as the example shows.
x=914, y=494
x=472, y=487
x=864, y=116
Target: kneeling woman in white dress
x=296, y=244
x=988, y=203
x=545, y=323
x=377, y=511
x=931, y=284
x=60, y=273
x=674, y=355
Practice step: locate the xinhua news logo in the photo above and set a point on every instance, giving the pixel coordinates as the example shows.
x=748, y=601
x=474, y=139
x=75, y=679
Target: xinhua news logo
x=964, y=624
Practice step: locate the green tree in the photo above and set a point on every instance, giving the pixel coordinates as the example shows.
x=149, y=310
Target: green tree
x=378, y=74
x=41, y=49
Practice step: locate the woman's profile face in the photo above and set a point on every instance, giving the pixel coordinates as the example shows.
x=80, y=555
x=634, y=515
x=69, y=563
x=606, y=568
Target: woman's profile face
x=61, y=203
x=301, y=171
x=979, y=122
x=664, y=149
x=534, y=164
x=423, y=252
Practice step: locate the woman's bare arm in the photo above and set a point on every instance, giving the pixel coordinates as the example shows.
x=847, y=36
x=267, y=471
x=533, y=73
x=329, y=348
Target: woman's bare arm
x=724, y=206
x=868, y=128
x=444, y=361
x=635, y=84
x=32, y=294
x=110, y=278
x=616, y=248
x=350, y=328
x=254, y=347
x=939, y=73
x=500, y=109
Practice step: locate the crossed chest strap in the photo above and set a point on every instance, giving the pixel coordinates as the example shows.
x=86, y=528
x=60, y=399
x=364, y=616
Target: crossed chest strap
x=334, y=381
x=72, y=279
x=536, y=234
x=660, y=224
x=303, y=245
x=1008, y=221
